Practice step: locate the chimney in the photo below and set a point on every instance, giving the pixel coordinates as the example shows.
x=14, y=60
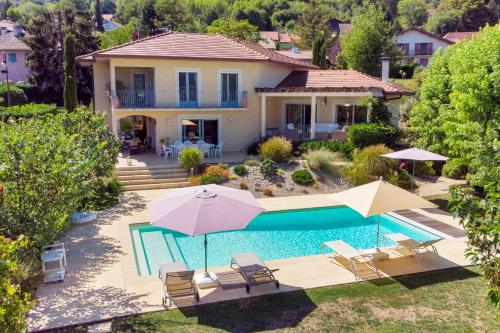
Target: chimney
x=18, y=31
x=135, y=36
x=385, y=69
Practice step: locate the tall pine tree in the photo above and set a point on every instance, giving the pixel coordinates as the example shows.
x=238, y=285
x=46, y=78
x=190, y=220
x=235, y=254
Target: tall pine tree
x=147, y=24
x=70, y=94
x=319, y=50
x=98, y=16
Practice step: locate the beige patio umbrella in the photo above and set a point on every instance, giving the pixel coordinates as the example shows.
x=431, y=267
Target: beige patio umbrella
x=379, y=197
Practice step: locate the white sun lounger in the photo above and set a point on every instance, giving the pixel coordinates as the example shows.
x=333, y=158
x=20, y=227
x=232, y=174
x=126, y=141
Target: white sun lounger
x=343, y=249
x=177, y=281
x=253, y=270
x=412, y=245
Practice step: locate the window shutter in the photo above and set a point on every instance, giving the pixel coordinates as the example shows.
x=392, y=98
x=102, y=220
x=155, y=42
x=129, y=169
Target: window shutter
x=429, y=48
x=407, y=48
x=417, y=48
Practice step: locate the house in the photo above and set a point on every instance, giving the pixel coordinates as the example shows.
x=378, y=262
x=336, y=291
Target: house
x=295, y=53
x=108, y=23
x=187, y=86
x=275, y=40
x=419, y=45
x=460, y=35
x=16, y=53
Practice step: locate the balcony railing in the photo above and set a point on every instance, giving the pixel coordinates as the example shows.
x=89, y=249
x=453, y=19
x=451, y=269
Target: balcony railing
x=179, y=99
x=290, y=131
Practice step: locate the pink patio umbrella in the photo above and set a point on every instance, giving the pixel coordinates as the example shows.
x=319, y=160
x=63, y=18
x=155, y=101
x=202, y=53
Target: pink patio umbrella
x=415, y=154
x=200, y=210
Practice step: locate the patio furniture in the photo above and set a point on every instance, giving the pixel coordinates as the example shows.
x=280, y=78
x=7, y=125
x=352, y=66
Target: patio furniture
x=218, y=149
x=54, y=265
x=167, y=151
x=253, y=270
x=413, y=246
x=346, y=251
x=187, y=143
x=177, y=282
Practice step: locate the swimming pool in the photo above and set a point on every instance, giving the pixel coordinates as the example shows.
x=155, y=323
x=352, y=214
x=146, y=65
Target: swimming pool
x=271, y=235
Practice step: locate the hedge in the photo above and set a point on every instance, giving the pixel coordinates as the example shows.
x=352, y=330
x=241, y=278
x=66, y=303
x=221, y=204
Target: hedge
x=27, y=111
x=364, y=135
x=343, y=147
x=17, y=96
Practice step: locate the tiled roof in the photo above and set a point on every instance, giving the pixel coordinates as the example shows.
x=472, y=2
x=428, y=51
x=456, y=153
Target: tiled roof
x=460, y=35
x=344, y=27
x=10, y=43
x=301, y=55
x=196, y=47
x=425, y=32
x=279, y=36
x=333, y=80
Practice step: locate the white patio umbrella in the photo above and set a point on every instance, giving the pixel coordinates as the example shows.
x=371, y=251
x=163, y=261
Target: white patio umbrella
x=200, y=210
x=379, y=197
x=415, y=154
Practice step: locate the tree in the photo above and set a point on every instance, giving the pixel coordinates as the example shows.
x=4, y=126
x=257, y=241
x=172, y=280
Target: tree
x=147, y=24
x=235, y=29
x=443, y=22
x=108, y=7
x=458, y=115
x=70, y=95
x=98, y=16
x=412, y=13
x=128, y=9
x=319, y=50
x=363, y=47
x=313, y=20
x=118, y=36
x=173, y=14
x=474, y=14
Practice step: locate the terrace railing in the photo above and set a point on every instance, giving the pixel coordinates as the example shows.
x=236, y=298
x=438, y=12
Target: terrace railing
x=291, y=131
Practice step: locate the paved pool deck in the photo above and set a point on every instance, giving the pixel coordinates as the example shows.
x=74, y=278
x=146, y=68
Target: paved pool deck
x=103, y=283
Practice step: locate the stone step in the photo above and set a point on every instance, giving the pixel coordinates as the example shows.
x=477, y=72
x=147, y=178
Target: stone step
x=150, y=172
x=154, y=186
x=153, y=181
x=148, y=167
x=158, y=175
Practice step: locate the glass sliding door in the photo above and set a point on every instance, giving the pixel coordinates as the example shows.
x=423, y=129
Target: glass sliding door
x=200, y=129
x=298, y=114
x=188, y=89
x=229, y=90
x=351, y=114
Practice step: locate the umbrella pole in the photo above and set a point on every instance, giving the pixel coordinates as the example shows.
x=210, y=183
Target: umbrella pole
x=413, y=174
x=206, y=256
x=378, y=229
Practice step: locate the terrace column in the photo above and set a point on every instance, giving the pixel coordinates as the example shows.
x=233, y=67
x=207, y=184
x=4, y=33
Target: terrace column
x=313, y=117
x=263, y=105
x=112, y=81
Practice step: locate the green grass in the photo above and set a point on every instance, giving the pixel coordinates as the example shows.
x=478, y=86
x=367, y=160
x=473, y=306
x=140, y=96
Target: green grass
x=444, y=301
x=411, y=84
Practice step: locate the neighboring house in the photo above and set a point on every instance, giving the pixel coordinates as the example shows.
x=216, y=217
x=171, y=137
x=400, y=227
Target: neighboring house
x=16, y=54
x=187, y=86
x=271, y=40
x=460, y=35
x=334, y=50
x=419, y=45
x=108, y=23
x=295, y=53
x=12, y=27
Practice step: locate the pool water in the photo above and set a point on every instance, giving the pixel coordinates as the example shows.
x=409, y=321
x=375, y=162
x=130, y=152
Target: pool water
x=270, y=235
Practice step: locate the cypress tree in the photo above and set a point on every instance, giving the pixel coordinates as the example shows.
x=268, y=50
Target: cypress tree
x=70, y=95
x=319, y=50
x=98, y=16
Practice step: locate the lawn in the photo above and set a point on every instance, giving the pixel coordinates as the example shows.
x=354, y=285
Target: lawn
x=411, y=84
x=450, y=300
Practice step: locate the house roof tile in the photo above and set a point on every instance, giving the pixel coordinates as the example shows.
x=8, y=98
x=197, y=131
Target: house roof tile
x=460, y=35
x=8, y=42
x=195, y=46
x=425, y=32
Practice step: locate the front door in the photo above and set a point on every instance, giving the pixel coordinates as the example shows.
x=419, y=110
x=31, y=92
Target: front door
x=200, y=129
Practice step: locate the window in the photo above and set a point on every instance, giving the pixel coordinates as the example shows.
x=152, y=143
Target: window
x=423, y=48
x=405, y=48
x=188, y=89
x=12, y=57
x=200, y=129
x=351, y=114
x=298, y=115
x=229, y=90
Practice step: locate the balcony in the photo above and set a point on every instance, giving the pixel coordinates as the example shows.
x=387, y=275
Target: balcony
x=179, y=99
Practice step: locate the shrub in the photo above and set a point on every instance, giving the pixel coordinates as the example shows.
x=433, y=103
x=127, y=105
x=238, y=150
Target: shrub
x=364, y=135
x=211, y=178
x=455, y=168
x=240, y=170
x=320, y=159
x=343, y=147
x=194, y=180
x=268, y=168
x=422, y=168
x=27, y=111
x=252, y=162
x=303, y=177
x=267, y=191
x=254, y=148
x=223, y=165
x=277, y=149
x=233, y=177
x=190, y=157
x=243, y=186
x=17, y=96
x=218, y=170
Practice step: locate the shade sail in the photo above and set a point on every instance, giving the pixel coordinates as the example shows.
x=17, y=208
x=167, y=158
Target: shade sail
x=416, y=154
x=204, y=209
x=379, y=197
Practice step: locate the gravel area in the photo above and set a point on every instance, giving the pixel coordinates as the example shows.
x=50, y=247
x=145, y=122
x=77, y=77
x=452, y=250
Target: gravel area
x=282, y=185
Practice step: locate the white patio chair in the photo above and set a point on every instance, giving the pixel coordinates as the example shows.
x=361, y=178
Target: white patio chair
x=167, y=151
x=218, y=149
x=187, y=143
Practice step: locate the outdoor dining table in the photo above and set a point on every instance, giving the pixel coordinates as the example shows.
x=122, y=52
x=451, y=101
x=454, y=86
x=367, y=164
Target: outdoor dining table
x=178, y=148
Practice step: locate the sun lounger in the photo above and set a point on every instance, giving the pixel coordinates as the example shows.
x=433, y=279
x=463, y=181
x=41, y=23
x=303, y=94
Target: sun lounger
x=346, y=251
x=413, y=246
x=177, y=281
x=253, y=270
